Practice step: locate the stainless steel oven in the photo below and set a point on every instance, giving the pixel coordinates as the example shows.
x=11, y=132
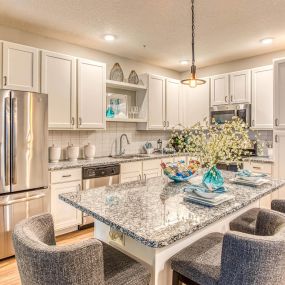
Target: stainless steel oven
x=224, y=113
x=98, y=176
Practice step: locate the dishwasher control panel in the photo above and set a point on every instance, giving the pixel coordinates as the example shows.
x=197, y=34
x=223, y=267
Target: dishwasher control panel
x=100, y=171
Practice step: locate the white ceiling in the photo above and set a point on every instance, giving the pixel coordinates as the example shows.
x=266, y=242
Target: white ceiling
x=226, y=29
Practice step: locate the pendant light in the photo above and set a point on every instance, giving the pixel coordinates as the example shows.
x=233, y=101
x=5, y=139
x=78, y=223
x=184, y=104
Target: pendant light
x=192, y=81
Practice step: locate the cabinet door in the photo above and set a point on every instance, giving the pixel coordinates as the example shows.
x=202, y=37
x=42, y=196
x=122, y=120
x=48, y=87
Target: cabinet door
x=20, y=67
x=172, y=103
x=91, y=94
x=156, y=104
x=279, y=94
x=240, y=87
x=279, y=154
x=58, y=81
x=196, y=103
x=64, y=215
x=152, y=173
x=220, y=89
x=262, y=97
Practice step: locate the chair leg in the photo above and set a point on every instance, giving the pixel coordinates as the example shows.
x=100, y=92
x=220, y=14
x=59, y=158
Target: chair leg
x=178, y=279
x=175, y=278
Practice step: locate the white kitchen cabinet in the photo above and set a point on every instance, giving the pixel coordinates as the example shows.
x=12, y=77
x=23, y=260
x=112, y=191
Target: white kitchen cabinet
x=279, y=154
x=131, y=171
x=20, y=67
x=156, y=102
x=173, y=101
x=151, y=168
x=240, y=87
x=220, y=89
x=58, y=75
x=196, y=103
x=91, y=94
x=279, y=94
x=64, y=215
x=262, y=97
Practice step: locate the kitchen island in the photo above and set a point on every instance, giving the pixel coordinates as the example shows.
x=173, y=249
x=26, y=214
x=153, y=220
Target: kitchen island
x=151, y=221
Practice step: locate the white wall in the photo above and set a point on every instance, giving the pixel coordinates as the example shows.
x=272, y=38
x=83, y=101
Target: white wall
x=246, y=63
x=26, y=38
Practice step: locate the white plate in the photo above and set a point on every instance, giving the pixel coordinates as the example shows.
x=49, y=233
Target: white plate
x=245, y=182
x=207, y=195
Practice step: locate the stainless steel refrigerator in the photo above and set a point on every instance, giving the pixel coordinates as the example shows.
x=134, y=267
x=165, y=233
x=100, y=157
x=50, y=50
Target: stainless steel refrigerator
x=23, y=160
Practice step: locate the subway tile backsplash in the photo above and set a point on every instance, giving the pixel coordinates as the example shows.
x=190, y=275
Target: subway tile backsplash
x=107, y=141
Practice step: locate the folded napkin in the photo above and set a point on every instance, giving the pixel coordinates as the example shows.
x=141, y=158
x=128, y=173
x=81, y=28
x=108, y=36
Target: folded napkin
x=204, y=188
x=248, y=173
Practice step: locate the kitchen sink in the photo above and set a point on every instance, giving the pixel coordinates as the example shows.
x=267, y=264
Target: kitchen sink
x=130, y=156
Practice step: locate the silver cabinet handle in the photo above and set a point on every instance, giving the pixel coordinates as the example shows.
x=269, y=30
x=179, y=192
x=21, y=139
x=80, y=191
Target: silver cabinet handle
x=20, y=200
x=167, y=124
x=14, y=140
x=276, y=138
x=5, y=80
x=66, y=176
x=226, y=99
x=276, y=122
x=256, y=167
x=72, y=121
x=232, y=97
x=140, y=177
x=164, y=124
x=253, y=123
x=145, y=177
x=79, y=121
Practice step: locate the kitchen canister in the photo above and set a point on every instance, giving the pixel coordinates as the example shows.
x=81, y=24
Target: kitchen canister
x=89, y=151
x=72, y=152
x=54, y=153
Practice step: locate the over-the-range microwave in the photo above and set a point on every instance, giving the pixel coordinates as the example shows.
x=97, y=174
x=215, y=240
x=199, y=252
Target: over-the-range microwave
x=224, y=113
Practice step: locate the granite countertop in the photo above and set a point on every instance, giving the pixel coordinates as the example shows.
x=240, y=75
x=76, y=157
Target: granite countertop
x=65, y=164
x=261, y=159
x=154, y=211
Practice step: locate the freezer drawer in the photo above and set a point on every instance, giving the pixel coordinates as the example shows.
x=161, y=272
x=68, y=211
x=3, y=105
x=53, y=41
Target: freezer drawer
x=13, y=209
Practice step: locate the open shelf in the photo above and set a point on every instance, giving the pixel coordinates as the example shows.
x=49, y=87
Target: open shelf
x=129, y=120
x=124, y=85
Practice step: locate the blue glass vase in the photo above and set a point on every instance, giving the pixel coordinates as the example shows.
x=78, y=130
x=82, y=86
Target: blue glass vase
x=213, y=176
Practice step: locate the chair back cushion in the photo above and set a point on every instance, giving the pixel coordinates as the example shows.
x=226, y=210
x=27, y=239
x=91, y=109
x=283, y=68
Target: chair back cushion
x=255, y=259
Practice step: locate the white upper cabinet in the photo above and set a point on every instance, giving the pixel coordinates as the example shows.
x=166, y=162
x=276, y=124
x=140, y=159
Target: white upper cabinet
x=58, y=79
x=20, y=67
x=196, y=103
x=279, y=94
x=173, y=103
x=156, y=103
x=220, y=89
x=262, y=97
x=91, y=94
x=240, y=87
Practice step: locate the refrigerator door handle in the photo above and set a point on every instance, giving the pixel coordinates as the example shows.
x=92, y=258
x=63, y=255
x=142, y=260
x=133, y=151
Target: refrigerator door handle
x=14, y=139
x=21, y=200
x=7, y=142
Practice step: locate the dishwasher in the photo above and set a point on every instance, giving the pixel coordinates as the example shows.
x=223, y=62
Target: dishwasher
x=94, y=177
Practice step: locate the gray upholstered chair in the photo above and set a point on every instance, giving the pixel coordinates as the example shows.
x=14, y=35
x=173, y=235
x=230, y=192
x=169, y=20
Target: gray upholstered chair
x=236, y=258
x=246, y=222
x=90, y=262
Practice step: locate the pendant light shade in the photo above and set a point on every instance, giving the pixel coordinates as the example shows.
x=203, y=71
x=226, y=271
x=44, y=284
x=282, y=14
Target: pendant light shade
x=192, y=81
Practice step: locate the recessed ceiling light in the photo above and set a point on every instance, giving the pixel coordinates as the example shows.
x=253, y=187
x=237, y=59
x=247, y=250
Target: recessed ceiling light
x=266, y=41
x=184, y=62
x=109, y=38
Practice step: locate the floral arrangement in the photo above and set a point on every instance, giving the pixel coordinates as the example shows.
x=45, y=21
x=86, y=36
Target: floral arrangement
x=213, y=143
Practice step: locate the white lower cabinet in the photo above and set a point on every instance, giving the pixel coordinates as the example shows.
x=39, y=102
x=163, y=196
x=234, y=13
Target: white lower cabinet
x=64, y=215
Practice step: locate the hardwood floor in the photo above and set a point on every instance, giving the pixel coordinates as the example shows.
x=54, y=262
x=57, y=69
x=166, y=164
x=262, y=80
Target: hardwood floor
x=8, y=268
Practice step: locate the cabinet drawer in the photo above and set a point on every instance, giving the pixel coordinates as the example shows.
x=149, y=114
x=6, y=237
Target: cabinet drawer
x=130, y=177
x=261, y=167
x=60, y=176
x=129, y=167
x=151, y=164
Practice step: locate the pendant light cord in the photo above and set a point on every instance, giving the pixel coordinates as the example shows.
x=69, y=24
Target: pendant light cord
x=193, y=33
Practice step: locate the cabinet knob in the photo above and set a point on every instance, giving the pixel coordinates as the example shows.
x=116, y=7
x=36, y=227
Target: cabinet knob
x=276, y=122
x=4, y=80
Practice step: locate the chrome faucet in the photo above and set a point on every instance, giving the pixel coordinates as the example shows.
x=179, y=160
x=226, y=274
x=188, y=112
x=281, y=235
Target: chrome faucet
x=122, y=151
